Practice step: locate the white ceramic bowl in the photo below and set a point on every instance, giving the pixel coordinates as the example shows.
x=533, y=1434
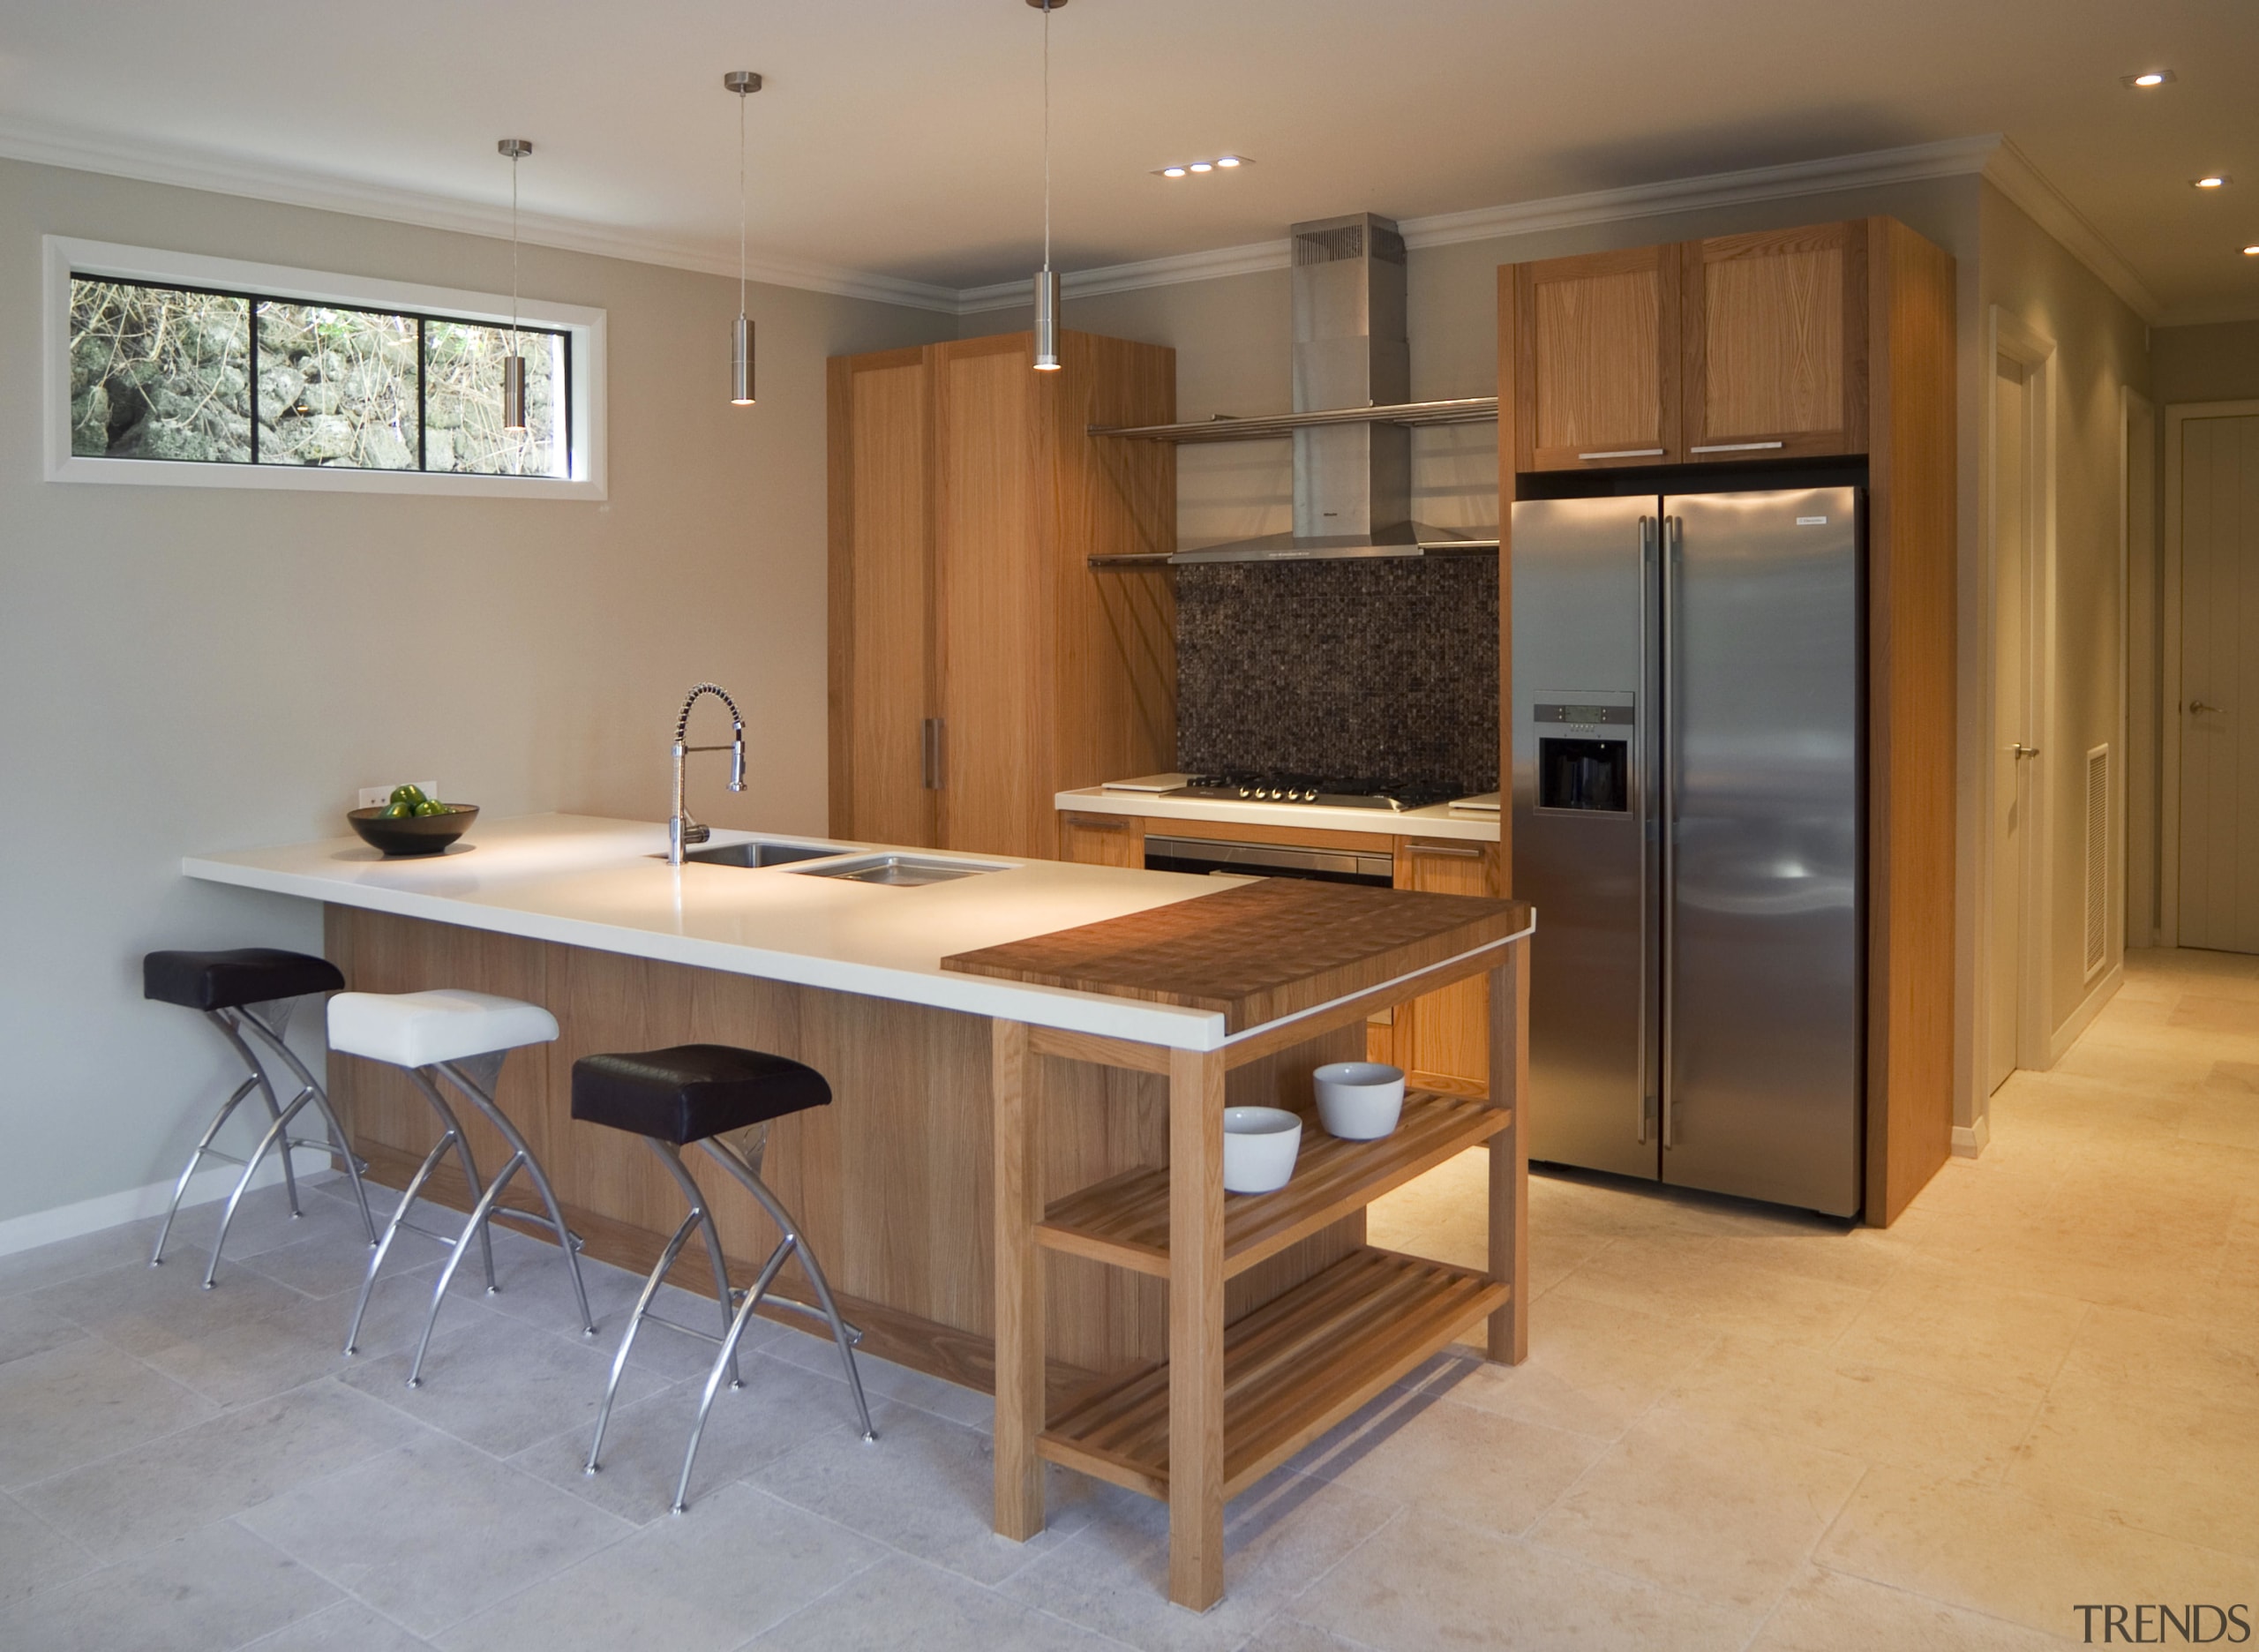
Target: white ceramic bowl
x=1358, y=1100
x=1259, y=1147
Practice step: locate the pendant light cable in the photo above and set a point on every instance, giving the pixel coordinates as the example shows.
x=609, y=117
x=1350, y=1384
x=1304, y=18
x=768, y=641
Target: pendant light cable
x=513, y=364
x=1046, y=135
x=741, y=97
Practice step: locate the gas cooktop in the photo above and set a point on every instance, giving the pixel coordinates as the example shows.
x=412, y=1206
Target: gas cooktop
x=1322, y=790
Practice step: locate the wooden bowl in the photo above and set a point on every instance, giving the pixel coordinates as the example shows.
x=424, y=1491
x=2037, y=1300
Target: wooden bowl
x=415, y=834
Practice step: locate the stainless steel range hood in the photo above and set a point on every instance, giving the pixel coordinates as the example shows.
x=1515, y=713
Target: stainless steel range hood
x=1352, y=418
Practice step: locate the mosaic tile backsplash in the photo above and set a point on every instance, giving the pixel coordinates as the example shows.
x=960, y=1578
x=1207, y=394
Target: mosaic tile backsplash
x=1385, y=668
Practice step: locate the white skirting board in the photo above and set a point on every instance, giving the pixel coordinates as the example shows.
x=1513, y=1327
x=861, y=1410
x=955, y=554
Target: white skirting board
x=115, y=1210
x=1969, y=1141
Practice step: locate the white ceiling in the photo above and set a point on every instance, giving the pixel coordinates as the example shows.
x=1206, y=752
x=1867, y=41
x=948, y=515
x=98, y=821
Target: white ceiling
x=899, y=137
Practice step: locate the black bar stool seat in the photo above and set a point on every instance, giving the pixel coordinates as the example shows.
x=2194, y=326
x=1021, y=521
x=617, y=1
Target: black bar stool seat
x=229, y=981
x=249, y=993
x=723, y=1099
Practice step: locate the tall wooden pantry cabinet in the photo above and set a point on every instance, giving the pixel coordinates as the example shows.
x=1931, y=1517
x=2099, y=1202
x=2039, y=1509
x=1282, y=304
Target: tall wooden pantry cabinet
x=978, y=664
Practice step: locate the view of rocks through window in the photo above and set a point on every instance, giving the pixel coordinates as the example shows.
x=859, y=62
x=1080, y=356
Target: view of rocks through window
x=164, y=372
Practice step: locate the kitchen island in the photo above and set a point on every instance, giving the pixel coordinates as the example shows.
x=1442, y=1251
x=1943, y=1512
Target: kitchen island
x=990, y=1104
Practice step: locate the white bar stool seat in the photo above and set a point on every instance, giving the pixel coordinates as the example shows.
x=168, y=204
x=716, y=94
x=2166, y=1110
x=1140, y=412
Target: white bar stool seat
x=461, y=1036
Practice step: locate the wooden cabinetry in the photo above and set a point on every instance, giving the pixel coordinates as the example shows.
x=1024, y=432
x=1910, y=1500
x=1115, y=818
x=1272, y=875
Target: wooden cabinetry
x=1775, y=328
x=1737, y=348
x=1441, y=1040
x=978, y=664
x=1594, y=341
x=1830, y=341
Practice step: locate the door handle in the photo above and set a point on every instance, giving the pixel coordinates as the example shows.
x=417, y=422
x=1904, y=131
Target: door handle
x=2197, y=708
x=930, y=752
x=1457, y=852
x=1645, y=780
x=2020, y=751
x=1624, y=453
x=1674, y=562
x=1756, y=446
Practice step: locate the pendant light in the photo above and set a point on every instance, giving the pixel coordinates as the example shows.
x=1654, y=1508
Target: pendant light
x=1047, y=281
x=514, y=365
x=745, y=83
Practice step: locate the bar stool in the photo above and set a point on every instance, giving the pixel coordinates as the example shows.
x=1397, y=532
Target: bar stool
x=461, y=1036
x=722, y=1098
x=254, y=990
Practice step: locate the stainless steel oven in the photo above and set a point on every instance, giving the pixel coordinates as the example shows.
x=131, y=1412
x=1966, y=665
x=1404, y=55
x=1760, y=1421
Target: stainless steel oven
x=1374, y=869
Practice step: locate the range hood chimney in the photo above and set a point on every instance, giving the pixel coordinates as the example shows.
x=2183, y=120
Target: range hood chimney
x=1353, y=479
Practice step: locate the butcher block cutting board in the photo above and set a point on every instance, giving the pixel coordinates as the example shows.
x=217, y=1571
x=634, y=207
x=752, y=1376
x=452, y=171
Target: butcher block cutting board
x=1256, y=951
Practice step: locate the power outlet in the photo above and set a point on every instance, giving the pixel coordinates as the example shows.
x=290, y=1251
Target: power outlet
x=376, y=796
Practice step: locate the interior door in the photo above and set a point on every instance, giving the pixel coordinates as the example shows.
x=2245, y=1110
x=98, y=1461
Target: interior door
x=1764, y=940
x=2219, y=684
x=2014, y=742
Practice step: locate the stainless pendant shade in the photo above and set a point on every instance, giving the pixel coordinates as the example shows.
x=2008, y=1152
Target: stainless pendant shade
x=514, y=392
x=1046, y=320
x=745, y=83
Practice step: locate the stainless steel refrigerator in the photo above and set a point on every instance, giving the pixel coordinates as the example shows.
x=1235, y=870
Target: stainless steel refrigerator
x=1688, y=780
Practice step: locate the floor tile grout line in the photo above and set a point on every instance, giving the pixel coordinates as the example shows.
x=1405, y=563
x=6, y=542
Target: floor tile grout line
x=1937, y=1601
x=344, y=1594
x=1401, y=1511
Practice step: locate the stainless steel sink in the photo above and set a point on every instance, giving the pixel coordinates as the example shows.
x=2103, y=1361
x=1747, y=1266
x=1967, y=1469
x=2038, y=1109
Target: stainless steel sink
x=900, y=869
x=760, y=854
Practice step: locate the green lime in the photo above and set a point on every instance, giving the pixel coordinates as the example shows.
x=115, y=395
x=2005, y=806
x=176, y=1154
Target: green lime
x=399, y=810
x=408, y=794
x=430, y=806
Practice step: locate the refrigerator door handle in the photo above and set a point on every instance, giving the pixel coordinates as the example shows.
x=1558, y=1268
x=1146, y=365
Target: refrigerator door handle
x=1646, y=758
x=1673, y=557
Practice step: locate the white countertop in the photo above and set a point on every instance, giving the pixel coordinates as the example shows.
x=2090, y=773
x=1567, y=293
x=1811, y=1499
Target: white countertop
x=1437, y=820
x=580, y=881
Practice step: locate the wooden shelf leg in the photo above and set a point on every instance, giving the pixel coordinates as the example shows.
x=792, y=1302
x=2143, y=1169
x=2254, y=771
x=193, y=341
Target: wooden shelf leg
x=1510, y=1153
x=1020, y=1285
x=1196, y=1328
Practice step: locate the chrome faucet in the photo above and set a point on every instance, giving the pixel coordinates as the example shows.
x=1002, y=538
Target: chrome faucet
x=681, y=829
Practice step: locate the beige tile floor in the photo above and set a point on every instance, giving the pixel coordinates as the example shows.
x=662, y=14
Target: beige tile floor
x=1738, y=1428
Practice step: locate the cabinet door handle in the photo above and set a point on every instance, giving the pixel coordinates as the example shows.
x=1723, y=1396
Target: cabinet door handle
x=1457, y=852
x=1631, y=452
x=1736, y=446
x=1097, y=823
x=930, y=752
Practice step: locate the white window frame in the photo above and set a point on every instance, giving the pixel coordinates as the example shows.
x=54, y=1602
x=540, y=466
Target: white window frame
x=585, y=414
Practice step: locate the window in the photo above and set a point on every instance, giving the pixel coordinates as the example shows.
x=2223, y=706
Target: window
x=165, y=367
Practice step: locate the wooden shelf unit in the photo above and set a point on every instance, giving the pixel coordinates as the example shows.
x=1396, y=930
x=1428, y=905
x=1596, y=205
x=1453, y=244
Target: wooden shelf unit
x=1293, y=1369
x=1124, y=1220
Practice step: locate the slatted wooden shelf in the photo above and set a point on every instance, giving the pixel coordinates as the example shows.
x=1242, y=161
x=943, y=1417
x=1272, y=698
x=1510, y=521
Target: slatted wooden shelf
x=1124, y=1220
x=1292, y=1370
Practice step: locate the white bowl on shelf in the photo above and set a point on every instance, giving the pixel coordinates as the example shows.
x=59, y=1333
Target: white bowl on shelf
x=1359, y=1101
x=1259, y=1147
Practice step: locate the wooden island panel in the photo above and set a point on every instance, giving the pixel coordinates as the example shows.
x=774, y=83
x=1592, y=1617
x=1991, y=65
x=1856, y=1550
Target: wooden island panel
x=891, y=1182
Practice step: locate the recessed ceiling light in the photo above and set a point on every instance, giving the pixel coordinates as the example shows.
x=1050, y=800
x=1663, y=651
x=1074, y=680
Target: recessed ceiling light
x=2211, y=180
x=1185, y=168
x=2143, y=82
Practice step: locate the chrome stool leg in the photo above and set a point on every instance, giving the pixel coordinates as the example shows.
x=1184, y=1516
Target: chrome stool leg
x=451, y=1136
x=744, y=1166
x=188, y=1171
x=475, y=1077
x=314, y=1092
x=699, y=1217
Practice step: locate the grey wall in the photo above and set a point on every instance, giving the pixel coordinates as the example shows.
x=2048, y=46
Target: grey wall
x=2214, y=363
x=193, y=669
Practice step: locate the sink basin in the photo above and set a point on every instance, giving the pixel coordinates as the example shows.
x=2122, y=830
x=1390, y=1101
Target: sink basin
x=898, y=869
x=759, y=854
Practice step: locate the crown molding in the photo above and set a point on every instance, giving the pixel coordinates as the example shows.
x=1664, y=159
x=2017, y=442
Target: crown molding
x=2210, y=314
x=1956, y=157
x=2010, y=171
x=1990, y=155
x=228, y=175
